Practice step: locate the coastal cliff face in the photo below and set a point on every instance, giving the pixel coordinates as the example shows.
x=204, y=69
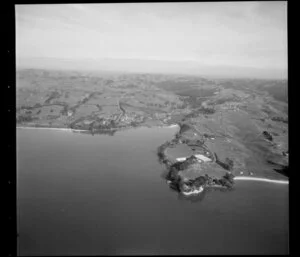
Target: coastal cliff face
x=179, y=180
x=196, y=160
x=198, y=171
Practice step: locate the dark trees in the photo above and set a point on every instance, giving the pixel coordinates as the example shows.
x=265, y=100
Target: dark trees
x=267, y=135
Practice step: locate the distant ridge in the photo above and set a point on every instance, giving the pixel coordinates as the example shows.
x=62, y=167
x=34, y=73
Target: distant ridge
x=149, y=66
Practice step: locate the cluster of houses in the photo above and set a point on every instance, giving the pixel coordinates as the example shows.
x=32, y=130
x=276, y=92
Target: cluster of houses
x=234, y=106
x=132, y=117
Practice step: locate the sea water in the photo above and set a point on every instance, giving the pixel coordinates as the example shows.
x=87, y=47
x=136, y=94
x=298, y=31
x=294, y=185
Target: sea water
x=80, y=194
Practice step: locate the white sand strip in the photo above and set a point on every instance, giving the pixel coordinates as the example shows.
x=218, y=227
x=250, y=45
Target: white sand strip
x=173, y=126
x=261, y=179
x=61, y=129
x=166, y=126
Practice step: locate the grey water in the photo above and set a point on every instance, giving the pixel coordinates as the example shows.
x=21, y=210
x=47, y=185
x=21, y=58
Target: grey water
x=79, y=194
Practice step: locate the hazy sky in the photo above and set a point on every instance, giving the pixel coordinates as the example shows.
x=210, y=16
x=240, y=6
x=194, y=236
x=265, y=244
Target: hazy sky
x=242, y=34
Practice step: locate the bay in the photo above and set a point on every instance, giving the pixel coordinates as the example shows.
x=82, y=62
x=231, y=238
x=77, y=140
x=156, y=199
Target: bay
x=80, y=194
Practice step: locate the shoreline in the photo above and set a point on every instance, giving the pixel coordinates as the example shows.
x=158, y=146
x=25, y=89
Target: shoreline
x=49, y=128
x=241, y=178
x=83, y=130
x=245, y=178
x=197, y=191
x=174, y=180
x=194, y=192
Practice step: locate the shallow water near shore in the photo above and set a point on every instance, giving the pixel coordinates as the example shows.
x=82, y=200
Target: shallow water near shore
x=80, y=194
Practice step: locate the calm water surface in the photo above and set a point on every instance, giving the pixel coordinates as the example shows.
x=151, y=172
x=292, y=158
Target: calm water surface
x=90, y=195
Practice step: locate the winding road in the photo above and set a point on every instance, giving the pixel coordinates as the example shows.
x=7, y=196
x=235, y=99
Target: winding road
x=121, y=108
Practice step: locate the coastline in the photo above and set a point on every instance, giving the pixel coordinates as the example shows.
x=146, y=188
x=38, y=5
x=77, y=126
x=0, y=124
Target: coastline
x=244, y=178
x=194, y=192
x=83, y=130
x=175, y=181
x=49, y=128
x=197, y=191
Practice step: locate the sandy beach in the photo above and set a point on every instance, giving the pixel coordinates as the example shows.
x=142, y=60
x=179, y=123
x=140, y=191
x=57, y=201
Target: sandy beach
x=261, y=179
x=82, y=130
x=60, y=129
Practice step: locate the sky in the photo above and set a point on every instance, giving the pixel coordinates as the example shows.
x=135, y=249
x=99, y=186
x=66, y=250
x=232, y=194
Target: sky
x=245, y=37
